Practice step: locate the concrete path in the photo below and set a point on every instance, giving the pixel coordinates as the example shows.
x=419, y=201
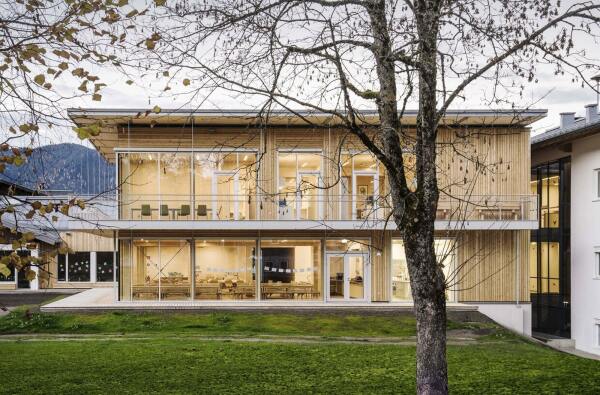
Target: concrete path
x=103, y=299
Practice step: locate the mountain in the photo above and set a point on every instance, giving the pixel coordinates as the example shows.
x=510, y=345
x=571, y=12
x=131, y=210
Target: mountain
x=69, y=168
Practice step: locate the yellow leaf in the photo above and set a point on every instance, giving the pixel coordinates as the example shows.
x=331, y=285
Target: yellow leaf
x=156, y=109
x=97, y=97
x=39, y=79
x=186, y=82
x=129, y=82
x=160, y=3
x=150, y=44
x=63, y=66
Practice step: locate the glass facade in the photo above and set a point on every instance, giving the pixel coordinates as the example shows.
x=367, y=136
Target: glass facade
x=299, y=193
x=445, y=252
x=224, y=269
x=362, y=183
x=291, y=269
x=549, y=250
x=186, y=186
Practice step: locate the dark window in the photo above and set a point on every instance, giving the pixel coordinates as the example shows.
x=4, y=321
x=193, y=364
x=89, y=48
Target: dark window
x=79, y=267
x=104, y=266
x=62, y=267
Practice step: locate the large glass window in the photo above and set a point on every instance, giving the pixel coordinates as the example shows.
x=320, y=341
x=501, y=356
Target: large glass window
x=182, y=186
x=547, y=278
x=546, y=184
x=299, y=185
x=161, y=269
x=225, y=269
x=362, y=182
x=445, y=253
x=291, y=269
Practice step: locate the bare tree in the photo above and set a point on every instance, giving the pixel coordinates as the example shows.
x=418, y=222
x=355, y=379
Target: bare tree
x=340, y=56
x=48, y=50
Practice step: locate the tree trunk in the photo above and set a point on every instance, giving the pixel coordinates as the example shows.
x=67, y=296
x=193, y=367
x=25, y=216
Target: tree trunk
x=414, y=214
x=428, y=290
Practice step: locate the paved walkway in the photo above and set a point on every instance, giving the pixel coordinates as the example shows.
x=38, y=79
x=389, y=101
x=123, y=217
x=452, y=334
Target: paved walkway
x=99, y=299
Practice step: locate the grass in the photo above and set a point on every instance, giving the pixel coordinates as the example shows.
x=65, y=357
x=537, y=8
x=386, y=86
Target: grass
x=170, y=360
x=222, y=323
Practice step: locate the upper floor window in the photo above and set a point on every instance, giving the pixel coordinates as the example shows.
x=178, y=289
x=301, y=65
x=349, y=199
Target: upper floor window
x=546, y=183
x=299, y=185
x=362, y=181
x=185, y=185
x=597, y=184
x=597, y=264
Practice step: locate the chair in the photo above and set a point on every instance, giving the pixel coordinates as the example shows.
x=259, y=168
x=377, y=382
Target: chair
x=164, y=210
x=146, y=210
x=201, y=211
x=185, y=210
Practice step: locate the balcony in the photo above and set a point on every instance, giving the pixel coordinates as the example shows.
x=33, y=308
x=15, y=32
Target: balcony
x=308, y=211
x=317, y=206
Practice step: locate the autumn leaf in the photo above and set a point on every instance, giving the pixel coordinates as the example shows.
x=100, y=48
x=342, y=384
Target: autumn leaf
x=150, y=44
x=97, y=97
x=156, y=109
x=186, y=82
x=129, y=82
x=160, y=3
x=4, y=270
x=39, y=79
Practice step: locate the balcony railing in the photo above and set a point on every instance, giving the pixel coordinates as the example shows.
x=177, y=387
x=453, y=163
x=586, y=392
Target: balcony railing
x=290, y=207
x=318, y=207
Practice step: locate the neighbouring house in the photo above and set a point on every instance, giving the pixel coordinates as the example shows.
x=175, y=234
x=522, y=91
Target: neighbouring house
x=225, y=206
x=90, y=261
x=565, y=250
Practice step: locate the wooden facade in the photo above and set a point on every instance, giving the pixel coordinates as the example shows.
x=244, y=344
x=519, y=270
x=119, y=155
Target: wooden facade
x=490, y=161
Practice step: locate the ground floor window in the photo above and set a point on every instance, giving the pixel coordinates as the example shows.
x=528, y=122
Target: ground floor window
x=74, y=267
x=105, y=266
x=5, y=258
x=445, y=252
x=225, y=269
x=291, y=269
x=161, y=270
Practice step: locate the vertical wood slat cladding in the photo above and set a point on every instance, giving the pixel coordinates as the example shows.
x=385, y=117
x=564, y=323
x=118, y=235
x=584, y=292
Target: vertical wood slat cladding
x=380, y=266
x=492, y=266
x=82, y=241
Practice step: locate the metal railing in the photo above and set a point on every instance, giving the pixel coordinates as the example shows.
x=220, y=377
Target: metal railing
x=307, y=206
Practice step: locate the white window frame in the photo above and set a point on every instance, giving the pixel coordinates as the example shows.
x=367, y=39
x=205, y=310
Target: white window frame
x=596, y=263
x=92, y=270
x=596, y=184
x=318, y=173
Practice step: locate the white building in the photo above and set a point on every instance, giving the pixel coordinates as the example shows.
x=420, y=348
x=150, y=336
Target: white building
x=565, y=251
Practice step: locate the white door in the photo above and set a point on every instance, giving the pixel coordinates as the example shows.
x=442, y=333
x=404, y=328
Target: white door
x=347, y=277
x=225, y=195
x=365, y=194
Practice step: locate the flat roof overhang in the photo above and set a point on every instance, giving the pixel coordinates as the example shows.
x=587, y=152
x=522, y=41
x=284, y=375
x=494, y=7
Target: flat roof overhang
x=106, y=142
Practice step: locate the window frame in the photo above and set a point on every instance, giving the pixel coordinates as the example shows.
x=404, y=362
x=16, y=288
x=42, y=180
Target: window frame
x=596, y=184
x=596, y=266
x=596, y=333
x=92, y=270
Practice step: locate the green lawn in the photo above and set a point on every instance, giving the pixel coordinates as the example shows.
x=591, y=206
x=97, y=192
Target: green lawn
x=221, y=323
x=159, y=355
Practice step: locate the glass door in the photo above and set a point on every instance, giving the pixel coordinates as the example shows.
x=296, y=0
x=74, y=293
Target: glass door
x=347, y=276
x=225, y=195
x=365, y=195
